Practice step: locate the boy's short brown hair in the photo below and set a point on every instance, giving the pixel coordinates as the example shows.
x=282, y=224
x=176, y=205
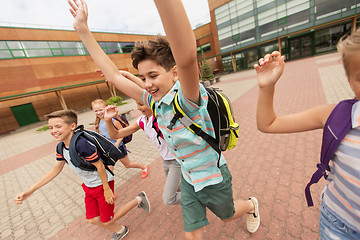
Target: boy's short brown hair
x=347, y=46
x=69, y=116
x=158, y=50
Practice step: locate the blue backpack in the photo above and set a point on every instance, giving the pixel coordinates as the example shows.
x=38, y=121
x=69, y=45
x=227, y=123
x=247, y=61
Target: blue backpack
x=336, y=127
x=108, y=152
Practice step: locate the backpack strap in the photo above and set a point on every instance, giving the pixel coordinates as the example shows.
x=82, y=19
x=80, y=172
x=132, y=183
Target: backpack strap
x=152, y=106
x=155, y=125
x=336, y=127
x=123, y=124
x=75, y=158
x=60, y=150
x=192, y=126
x=141, y=123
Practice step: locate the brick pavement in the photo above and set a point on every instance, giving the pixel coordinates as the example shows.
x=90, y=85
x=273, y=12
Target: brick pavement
x=274, y=168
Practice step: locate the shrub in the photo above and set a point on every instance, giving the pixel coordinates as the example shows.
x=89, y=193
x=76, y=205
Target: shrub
x=117, y=100
x=43, y=128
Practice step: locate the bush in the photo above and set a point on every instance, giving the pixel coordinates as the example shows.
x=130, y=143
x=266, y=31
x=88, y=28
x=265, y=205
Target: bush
x=117, y=101
x=43, y=128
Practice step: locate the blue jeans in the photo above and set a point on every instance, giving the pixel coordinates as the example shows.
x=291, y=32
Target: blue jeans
x=332, y=228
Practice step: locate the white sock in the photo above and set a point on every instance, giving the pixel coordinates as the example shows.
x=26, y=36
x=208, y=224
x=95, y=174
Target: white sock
x=139, y=199
x=122, y=229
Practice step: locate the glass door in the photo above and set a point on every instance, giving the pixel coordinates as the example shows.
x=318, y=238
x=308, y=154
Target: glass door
x=301, y=46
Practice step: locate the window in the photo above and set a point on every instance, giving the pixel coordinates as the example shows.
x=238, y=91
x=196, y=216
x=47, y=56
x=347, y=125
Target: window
x=14, y=44
x=24, y=49
x=4, y=54
x=113, y=47
x=18, y=53
x=35, y=44
x=39, y=53
x=203, y=48
x=3, y=45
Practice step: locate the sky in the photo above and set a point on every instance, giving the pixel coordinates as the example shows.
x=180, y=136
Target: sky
x=125, y=16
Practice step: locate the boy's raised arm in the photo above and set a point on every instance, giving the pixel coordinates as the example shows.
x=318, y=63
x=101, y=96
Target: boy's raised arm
x=78, y=9
x=183, y=45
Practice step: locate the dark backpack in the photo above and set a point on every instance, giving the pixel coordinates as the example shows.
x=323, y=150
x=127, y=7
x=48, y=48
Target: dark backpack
x=124, y=123
x=222, y=118
x=107, y=151
x=336, y=127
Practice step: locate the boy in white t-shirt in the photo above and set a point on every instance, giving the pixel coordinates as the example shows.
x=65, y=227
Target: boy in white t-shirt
x=147, y=122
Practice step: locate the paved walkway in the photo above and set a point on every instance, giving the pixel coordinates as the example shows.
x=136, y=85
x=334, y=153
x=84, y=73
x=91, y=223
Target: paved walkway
x=274, y=168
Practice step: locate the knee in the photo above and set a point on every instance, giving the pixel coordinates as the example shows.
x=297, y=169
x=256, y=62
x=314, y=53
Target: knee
x=169, y=200
x=94, y=221
x=226, y=220
x=127, y=165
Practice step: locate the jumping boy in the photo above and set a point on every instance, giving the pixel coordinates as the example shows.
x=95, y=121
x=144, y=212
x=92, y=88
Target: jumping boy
x=98, y=185
x=146, y=122
x=204, y=184
x=340, y=209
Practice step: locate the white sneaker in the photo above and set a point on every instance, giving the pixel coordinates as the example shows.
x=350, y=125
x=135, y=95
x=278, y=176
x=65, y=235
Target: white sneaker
x=253, y=219
x=145, y=204
x=119, y=236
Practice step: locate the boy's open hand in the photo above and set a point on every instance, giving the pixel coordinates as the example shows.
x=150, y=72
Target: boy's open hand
x=111, y=111
x=269, y=69
x=79, y=11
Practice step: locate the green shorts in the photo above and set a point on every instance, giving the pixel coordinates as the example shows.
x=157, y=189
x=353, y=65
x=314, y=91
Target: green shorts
x=218, y=198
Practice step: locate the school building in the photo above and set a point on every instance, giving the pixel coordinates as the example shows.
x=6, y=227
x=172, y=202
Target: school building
x=43, y=70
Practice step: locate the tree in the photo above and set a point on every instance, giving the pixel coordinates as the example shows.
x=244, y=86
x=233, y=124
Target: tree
x=205, y=70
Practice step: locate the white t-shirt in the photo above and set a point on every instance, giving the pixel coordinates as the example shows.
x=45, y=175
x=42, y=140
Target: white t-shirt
x=150, y=132
x=90, y=178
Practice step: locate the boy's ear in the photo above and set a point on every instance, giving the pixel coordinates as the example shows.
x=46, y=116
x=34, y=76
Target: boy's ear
x=175, y=74
x=73, y=126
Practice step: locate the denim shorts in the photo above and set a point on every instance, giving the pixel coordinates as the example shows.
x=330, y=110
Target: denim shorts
x=218, y=198
x=333, y=228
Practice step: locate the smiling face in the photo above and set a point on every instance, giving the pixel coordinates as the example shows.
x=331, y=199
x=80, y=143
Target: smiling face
x=145, y=110
x=158, y=81
x=61, y=130
x=353, y=72
x=99, y=110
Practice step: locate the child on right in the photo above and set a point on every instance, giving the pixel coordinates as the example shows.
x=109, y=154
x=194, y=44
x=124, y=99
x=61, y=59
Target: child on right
x=340, y=207
x=206, y=180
